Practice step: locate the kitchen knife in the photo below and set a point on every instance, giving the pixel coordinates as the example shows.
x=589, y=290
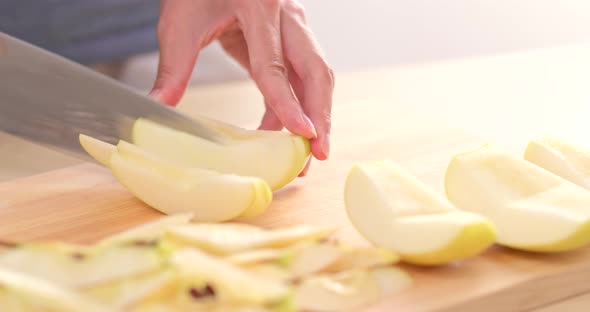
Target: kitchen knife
x=49, y=100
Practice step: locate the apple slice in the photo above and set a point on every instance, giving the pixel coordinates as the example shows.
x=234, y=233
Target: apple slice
x=148, y=232
x=229, y=238
x=21, y=292
x=229, y=283
x=568, y=160
x=531, y=208
x=81, y=267
x=276, y=157
x=99, y=150
x=394, y=210
x=356, y=258
x=132, y=291
x=175, y=189
x=349, y=290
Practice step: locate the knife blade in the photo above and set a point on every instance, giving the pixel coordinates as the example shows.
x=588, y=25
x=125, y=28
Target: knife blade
x=49, y=100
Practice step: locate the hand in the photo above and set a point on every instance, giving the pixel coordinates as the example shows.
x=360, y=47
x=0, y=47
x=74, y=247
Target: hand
x=271, y=40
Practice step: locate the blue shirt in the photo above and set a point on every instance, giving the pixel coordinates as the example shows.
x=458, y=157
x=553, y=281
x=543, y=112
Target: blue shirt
x=86, y=31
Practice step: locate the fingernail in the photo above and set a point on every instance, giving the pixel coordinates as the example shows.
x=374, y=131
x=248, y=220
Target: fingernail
x=309, y=125
x=326, y=145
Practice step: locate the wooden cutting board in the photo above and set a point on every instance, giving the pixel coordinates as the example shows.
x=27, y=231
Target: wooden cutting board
x=84, y=203
x=419, y=117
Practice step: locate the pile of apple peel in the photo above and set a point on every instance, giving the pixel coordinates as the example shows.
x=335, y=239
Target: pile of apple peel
x=175, y=172
x=173, y=264
x=538, y=203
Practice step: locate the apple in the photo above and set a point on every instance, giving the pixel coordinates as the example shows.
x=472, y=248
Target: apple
x=276, y=157
x=349, y=290
x=229, y=282
x=148, y=232
x=99, y=150
x=531, y=208
x=227, y=238
x=566, y=159
x=81, y=266
x=23, y=292
x=356, y=258
x=392, y=209
x=174, y=189
x=129, y=292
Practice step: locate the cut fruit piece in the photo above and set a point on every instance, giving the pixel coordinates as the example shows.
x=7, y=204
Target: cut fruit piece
x=312, y=259
x=81, y=267
x=230, y=283
x=356, y=258
x=531, y=208
x=132, y=291
x=349, y=290
x=99, y=150
x=229, y=238
x=276, y=157
x=21, y=292
x=148, y=232
x=566, y=159
x=394, y=210
x=211, y=197
x=175, y=189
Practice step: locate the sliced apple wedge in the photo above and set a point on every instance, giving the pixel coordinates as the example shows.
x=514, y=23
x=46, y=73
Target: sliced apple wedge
x=531, y=208
x=175, y=189
x=81, y=267
x=99, y=150
x=357, y=258
x=230, y=238
x=566, y=159
x=394, y=210
x=148, y=232
x=22, y=292
x=276, y=157
x=349, y=290
x=132, y=291
x=229, y=282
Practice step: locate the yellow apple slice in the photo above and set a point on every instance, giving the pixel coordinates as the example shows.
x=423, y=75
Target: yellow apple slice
x=175, y=189
x=356, y=258
x=81, y=267
x=531, y=208
x=21, y=292
x=349, y=290
x=230, y=238
x=276, y=158
x=148, y=232
x=99, y=150
x=131, y=291
x=229, y=282
x=566, y=159
x=394, y=210
x=210, y=196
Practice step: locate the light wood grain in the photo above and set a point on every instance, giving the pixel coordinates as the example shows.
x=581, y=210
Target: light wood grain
x=419, y=116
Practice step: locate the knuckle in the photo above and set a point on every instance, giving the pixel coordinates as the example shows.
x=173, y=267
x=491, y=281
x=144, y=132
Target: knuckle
x=270, y=71
x=296, y=8
x=322, y=73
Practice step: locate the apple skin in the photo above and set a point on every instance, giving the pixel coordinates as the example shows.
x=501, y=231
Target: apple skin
x=532, y=209
x=276, y=157
x=393, y=209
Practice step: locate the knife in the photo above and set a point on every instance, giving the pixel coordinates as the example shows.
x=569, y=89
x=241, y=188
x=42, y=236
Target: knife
x=49, y=100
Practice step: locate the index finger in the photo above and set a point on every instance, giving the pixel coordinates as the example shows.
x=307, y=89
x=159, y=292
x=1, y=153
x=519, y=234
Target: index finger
x=261, y=28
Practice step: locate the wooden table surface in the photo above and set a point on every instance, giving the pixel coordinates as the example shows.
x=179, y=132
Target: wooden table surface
x=418, y=115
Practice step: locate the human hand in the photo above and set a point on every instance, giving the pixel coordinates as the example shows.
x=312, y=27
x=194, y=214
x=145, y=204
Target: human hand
x=271, y=40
